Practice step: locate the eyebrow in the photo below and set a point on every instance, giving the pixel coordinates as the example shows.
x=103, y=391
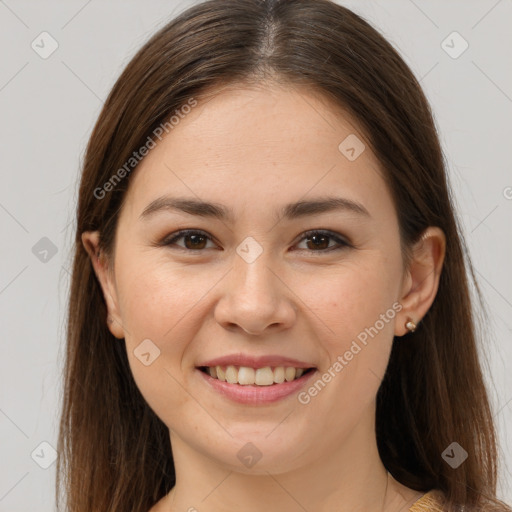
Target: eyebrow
x=290, y=211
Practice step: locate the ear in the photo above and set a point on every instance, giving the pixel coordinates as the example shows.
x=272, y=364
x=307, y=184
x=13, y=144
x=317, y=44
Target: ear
x=422, y=278
x=90, y=240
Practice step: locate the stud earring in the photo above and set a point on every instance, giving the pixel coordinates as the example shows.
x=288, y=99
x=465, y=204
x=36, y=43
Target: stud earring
x=410, y=325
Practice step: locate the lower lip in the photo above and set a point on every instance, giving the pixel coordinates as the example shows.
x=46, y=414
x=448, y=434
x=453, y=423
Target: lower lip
x=248, y=394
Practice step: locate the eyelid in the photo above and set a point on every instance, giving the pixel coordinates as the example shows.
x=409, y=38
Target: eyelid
x=170, y=239
x=340, y=239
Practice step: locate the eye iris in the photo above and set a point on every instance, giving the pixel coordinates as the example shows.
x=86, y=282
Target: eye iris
x=197, y=241
x=317, y=245
x=194, y=239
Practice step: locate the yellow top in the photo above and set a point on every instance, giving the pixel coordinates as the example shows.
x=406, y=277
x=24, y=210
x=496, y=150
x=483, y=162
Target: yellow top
x=429, y=502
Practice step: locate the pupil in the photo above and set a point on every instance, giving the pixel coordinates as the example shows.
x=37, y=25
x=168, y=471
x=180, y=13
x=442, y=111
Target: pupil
x=194, y=239
x=319, y=241
x=315, y=238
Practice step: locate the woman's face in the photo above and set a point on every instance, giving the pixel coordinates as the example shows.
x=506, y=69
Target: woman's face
x=260, y=286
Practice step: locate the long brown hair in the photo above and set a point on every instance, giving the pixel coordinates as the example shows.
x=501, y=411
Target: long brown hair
x=114, y=453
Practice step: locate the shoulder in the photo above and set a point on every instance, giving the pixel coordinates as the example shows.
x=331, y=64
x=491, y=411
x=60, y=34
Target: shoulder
x=431, y=501
x=435, y=501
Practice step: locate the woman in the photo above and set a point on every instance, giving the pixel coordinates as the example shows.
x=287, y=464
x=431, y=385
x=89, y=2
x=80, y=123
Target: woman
x=269, y=306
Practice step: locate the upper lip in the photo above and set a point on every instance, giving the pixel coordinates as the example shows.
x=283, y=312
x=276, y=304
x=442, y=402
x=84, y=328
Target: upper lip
x=256, y=362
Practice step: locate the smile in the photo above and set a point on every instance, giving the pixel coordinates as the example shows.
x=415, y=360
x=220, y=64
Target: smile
x=245, y=376
x=255, y=386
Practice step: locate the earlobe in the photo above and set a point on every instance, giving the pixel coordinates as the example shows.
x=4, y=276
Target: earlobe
x=90, y=241
x=422, y=280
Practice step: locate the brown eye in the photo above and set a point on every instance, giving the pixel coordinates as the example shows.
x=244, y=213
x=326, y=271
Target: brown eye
x=318, y=241
x=196, y=241
x=193, y=240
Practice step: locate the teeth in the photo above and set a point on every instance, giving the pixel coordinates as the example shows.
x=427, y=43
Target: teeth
x=246, y=375
x=279, y=375
x=264, y=376
x=220, y=373
x=289, y=374
x=231, y=375
x=250, y=376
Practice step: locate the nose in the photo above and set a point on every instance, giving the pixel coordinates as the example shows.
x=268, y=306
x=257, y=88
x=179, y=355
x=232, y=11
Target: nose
x=255, y=299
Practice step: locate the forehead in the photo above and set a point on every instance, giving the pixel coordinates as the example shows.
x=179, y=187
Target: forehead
x=259, y=143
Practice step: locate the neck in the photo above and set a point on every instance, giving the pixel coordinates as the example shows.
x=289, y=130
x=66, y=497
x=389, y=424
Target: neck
x=349, y=477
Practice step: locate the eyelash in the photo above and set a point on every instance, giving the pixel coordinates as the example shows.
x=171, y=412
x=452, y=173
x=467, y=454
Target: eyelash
x=342, y=244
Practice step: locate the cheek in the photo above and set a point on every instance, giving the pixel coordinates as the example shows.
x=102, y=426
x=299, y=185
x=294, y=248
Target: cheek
x=156, y=297
x=157, y=306
x=340, y=307
x=159, y=301
x=355, y=298
x=357, y=306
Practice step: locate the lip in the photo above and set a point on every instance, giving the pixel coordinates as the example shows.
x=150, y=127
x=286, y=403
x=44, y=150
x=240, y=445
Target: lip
x=256, y=362
x=256, y=395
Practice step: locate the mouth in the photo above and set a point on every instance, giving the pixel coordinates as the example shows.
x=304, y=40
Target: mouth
x=247, y=376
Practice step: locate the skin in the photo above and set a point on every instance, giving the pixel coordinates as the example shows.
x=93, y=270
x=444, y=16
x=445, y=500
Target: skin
x=254, y=149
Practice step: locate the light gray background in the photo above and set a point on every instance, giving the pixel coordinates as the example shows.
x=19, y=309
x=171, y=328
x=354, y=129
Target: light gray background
x=48, y=108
